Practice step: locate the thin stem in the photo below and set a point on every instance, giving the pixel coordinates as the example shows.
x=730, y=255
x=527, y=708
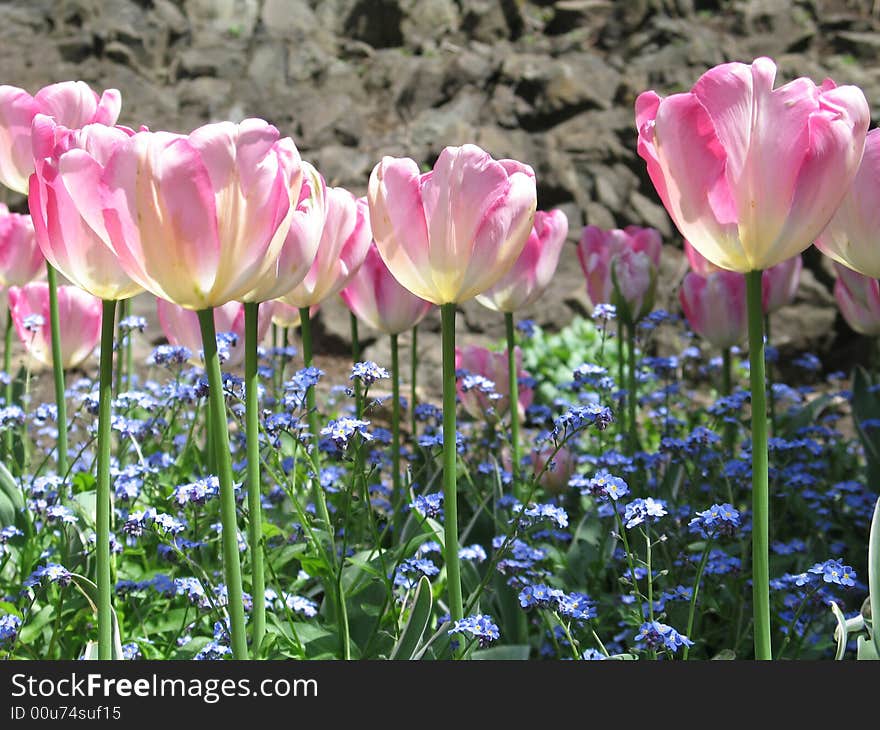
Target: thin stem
x=397, y=494
x=513, y=400
x=450, y=490
x=255, y=510
x=726, y=390
x=696, y=592
x=57, y=368
x=632, y=398
x=311, y=406
x=621, y=360
x=129, y=349
x=771, y=395
x=760, y=484
x=120, y=306
x=7, y=368
x=413, y=371
x=356, y=357
x=102, y=489
x=219, y=434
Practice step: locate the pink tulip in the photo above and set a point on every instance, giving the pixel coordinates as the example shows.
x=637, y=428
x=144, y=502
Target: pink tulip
x=492, y=366
x=531, y=274
x=345, y=241
x=852, y=235
x=452, y=233
x=779, y=283
x=78, y=311
x=751, y=174
x=71, y=103
x=631, y=257
x=69, y=243
x=181, y=327
x=197, y=220
x=308, y=205
x=286, y=316
x=20, y=257
x=858, y=297
x=715, y=306
x=377, y=298
x=564, y=464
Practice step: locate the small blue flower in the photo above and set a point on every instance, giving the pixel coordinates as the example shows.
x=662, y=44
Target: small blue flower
x=640, y=510
x=132, y=324
x=51, y=572
x=480, y=627
x=368, y=372
x=410, y=570
x=429, y=505
x=720, y=520
x=342, y=429
x=33, y=322
x=9, y=627
x=656, y=635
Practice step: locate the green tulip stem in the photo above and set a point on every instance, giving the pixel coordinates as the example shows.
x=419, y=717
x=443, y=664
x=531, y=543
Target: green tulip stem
x=760, y=485
x=103, y=504
x=355, y=358
x=413, y=371
x=218, y=433
x=632, y=397
x=58, y=369
x=450, y=490
x=397, y=499
x=513, y=399
x=255, y=509
x=7, y=368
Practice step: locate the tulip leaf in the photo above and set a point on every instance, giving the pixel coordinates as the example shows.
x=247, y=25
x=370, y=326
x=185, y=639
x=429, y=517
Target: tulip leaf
x=417, y=622
x=874, y=576
x=840, y=633
x=90, y=592
x=510, y=652
x=866, y=650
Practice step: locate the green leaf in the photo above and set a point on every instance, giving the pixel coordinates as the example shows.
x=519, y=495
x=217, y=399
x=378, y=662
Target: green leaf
x=90, y=592
x=874, y=576
x=10, y=488
x=840, y=633
x=34, y=627
x=417, y=622
x=725, y=655
x=509, y=652
x=866, y=650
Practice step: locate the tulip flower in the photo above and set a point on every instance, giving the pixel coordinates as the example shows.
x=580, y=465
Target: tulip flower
x=71, y=104
x=80, y=312
x=751, y=175
x=286, y=316
x=20, y=263
x=532, y=272
x=181, y=327
x=448, y=235
x=779, y=283
x=377, y=298
x=522, y=286
x=20, y=258
x=198, y=220
x=715, y=306
x=858, y=297
x=851, y=236
x=345, y=239
x=620, y=267
x=554, y=469
x=73, y=246
x=482, y=401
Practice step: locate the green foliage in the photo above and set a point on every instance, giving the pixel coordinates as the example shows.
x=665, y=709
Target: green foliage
x=550, y=357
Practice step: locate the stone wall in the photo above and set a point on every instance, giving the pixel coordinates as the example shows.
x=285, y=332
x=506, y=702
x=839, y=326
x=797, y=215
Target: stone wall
x=550, y=83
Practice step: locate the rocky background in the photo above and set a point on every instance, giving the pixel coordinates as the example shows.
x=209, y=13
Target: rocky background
x=548, y=82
